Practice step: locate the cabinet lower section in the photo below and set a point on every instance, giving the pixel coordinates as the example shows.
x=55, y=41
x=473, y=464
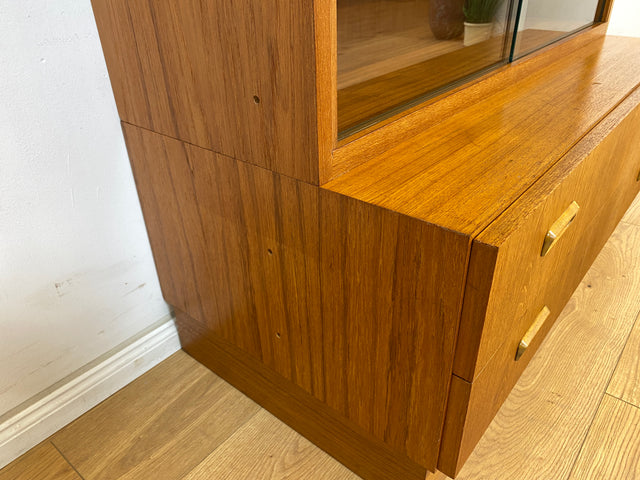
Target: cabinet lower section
x=355, y=305
x=389, y=342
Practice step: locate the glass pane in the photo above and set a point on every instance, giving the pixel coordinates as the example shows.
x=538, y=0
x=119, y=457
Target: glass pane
x=542, y=22
x=392, y=54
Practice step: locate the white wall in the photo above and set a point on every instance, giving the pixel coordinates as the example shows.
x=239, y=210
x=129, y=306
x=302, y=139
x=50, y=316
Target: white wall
x=76, y=273
x=625, y=18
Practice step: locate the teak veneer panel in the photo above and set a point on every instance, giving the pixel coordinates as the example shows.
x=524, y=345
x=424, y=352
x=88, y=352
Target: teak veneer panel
x=464, y=171
x=506, y=256
x=190, y=70
x=539, y=430
x=509, y=282
x=354, y=304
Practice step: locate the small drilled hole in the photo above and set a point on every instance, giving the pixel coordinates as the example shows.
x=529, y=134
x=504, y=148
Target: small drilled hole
x=270, y=251
x=256, y=99
x=278, y=334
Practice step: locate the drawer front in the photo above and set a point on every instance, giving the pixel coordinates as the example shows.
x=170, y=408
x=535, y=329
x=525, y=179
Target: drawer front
x=581, y=200
x=516, y=287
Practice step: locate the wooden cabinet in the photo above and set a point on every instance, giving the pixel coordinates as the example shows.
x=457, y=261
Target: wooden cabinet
x=510, y=283
x=371, y=292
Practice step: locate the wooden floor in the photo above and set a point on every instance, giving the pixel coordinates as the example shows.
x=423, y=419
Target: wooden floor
x=575, y=414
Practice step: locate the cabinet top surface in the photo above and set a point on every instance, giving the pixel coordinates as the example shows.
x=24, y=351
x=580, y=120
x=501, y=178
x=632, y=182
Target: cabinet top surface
x=465, y=170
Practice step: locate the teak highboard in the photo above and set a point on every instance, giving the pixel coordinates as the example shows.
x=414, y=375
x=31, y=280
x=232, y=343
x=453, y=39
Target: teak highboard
x=381, y=293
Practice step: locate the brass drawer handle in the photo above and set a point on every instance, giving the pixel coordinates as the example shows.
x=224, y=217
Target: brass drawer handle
x=533, y=331
x=559, y=227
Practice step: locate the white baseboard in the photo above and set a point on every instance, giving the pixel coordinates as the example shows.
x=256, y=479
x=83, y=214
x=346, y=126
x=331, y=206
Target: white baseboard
x=79, y=393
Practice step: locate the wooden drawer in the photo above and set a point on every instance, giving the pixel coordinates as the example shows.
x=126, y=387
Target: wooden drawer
x=511, y=283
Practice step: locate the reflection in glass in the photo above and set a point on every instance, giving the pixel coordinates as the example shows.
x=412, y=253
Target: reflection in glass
x=542, y=22
x=392, y=54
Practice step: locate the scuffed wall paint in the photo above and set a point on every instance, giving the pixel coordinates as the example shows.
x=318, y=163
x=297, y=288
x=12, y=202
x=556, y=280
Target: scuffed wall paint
x=76, y=273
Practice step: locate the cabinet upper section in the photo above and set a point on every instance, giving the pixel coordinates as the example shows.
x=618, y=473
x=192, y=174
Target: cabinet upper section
x=234, y=77
x=277, y=83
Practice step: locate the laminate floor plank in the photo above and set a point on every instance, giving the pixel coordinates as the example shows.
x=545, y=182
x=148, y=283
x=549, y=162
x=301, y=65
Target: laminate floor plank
x=612, y=448
x=161, y=426
x=625, y=383
x=267, y=449
x=539, y=430
x=42, y=462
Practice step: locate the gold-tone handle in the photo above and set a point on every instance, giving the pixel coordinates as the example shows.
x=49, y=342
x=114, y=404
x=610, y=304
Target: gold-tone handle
x=559, y=227
x=533, y=331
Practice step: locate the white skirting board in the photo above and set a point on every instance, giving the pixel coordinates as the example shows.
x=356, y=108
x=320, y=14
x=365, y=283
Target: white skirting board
x=80, y=392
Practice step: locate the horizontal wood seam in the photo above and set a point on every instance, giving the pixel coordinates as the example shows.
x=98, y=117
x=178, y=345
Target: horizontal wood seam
x=124, y=122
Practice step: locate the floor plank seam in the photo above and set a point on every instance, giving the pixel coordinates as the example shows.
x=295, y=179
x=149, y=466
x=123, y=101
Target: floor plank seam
x=586, y=435
x=622, y=400
x=633, y=327
x=239, y=427
x=67, y=460
x=595, y=413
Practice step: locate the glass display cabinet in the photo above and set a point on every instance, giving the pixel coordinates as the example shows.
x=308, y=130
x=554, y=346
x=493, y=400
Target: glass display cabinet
x=393, y=55
x=366, y=214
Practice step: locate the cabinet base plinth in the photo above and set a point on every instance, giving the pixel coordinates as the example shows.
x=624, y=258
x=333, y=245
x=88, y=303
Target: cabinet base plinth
x=367, y=457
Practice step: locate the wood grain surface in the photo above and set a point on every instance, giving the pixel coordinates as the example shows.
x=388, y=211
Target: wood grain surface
x=469, y=167
x=625, y=383
x=612, y=448
x=539, y=429
x=355, y=304
x=387, y=133
x=133, y=436
x=266, y=449
x=42, y=462
x=523, y=283
x=608, y=156
x=325, y=25
x=235, y=78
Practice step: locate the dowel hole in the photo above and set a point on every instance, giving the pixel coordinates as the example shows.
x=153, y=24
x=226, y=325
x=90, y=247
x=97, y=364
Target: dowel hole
x=256, y=99
x=278, y=335
x=269, y=251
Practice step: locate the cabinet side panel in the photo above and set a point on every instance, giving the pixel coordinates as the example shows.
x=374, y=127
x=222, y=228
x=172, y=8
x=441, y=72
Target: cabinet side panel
x=235, y=77
x=391, y=293
x=353, y=304
x=228, y=253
